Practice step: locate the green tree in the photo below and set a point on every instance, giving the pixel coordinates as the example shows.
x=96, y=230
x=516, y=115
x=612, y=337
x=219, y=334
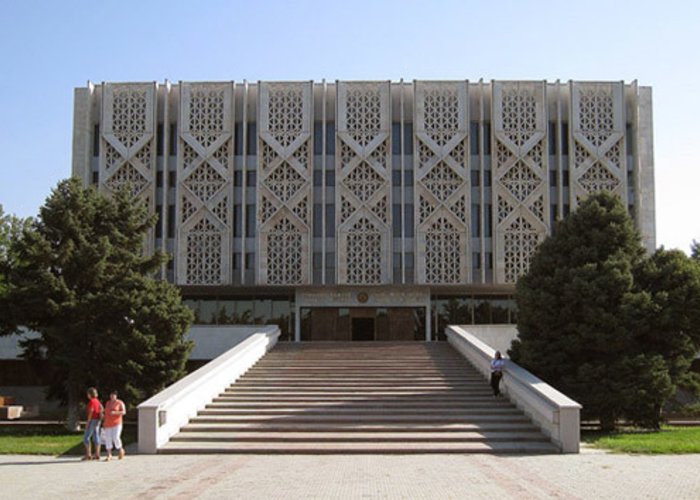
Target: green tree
x=83, y=283
x=11, y=228
x=578, y=307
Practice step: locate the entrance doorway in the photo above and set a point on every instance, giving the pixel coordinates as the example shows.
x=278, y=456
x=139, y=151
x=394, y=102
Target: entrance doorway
x=362, y=329
x=344, y=324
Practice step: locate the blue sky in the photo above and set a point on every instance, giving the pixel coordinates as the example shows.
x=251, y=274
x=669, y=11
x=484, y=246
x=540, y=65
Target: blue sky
x=48, y=48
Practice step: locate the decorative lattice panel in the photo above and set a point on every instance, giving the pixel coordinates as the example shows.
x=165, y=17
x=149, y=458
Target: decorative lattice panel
x=442, y=181
x=284, y=191
x=363, y=183
x=598, y=133
x=204, y=191
x=519, y=169
x=127, y=142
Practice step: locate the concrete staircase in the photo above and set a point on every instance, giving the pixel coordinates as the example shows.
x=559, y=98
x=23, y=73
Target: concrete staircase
x=373, y=397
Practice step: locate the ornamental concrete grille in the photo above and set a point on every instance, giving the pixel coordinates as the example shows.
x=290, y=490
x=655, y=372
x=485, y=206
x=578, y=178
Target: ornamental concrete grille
x=424, y=186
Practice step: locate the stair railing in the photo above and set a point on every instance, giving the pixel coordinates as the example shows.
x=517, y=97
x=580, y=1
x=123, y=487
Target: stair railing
x=557, y=415
x=163, y=415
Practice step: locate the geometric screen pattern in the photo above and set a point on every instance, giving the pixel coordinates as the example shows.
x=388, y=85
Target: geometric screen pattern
x=205, y=184
x=284, y=190
x=598, y=160
x=519, y=170
x=442, y=182
x=363, y=183
x=127, y=152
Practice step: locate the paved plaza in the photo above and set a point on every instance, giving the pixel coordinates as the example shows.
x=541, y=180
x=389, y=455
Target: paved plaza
x=591, y=474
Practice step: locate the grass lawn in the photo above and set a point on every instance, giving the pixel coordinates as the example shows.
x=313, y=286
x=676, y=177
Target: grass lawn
x=668, y=441
x=48, y=440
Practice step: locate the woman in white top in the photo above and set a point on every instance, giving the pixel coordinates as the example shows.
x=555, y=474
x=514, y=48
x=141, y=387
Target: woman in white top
x=497, y=365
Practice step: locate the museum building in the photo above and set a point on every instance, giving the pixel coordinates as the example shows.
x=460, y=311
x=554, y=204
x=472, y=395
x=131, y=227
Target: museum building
x=370, y=210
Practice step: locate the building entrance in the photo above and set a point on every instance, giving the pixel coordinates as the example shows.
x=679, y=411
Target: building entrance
x=344, y=324
x=362, y=329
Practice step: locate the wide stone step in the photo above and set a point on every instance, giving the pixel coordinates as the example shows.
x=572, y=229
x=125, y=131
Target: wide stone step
x=351, y=379
x=217, y=426
x=340, y=399
x=383, y=405
x=404, y=389
x=316, y=448
x=361, y=411
x=301, y=437
x=208, y=416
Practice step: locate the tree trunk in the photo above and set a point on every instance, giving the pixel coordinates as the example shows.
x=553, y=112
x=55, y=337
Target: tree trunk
x=73, y=416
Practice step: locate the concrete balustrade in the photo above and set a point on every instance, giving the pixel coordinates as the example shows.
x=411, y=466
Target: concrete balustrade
x=162, y=416
x=556, y=414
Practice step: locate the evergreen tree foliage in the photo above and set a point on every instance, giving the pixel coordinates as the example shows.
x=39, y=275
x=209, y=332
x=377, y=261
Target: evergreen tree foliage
x=596, y=317
x=83, y=282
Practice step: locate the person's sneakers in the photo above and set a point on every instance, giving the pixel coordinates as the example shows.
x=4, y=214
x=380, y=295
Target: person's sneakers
x=121, y=453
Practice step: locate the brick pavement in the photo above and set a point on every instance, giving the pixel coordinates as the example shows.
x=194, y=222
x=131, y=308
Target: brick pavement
x=591, y=474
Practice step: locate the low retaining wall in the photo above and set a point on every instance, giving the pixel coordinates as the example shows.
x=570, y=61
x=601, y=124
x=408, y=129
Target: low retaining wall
x=163, y=415
x=557, y=415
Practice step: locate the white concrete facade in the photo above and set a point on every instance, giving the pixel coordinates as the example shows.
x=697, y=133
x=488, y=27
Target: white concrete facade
x=382, y=188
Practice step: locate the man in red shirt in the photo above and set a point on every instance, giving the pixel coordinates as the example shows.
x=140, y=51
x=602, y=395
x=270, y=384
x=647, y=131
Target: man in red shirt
x=92, y=427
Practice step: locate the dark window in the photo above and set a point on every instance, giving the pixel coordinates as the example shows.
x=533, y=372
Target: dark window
x=236, y=260
x=159, y=140
x=250, y=260
x=318, y=138
x=487, y=138
x=238, y=178
x=159, y=178
x=551, y=137
x=408, y=178
x=564, y=138
x=408, y=221
x=396, y=138
x=318, y=178
x=318, y=225
x=330, y=221
x=171, y=221
x=95, y=178
x=172, y=178
x=159, y=222
x=173, y=139
x=565, y=178
x=396, y=219
x=566, y=209
x=96, y=141
x=396, y=178
x=476, y=260
x=237, y=222
x=250, y=220
x=330, y=178
x=330, y=260
x=251, y=178
x=476, y=178
x=487, y=178
x=330, y=138
x=317, y=261
x=629, y=139
x=408, y=256
x=474, y=138
x=408, y=138
x=476, y=220
x=553, y=178
x=552, y=214
x=238, y=140
x=630, y=178
x=489, y=260
x=252, y=140
x=487, y=220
